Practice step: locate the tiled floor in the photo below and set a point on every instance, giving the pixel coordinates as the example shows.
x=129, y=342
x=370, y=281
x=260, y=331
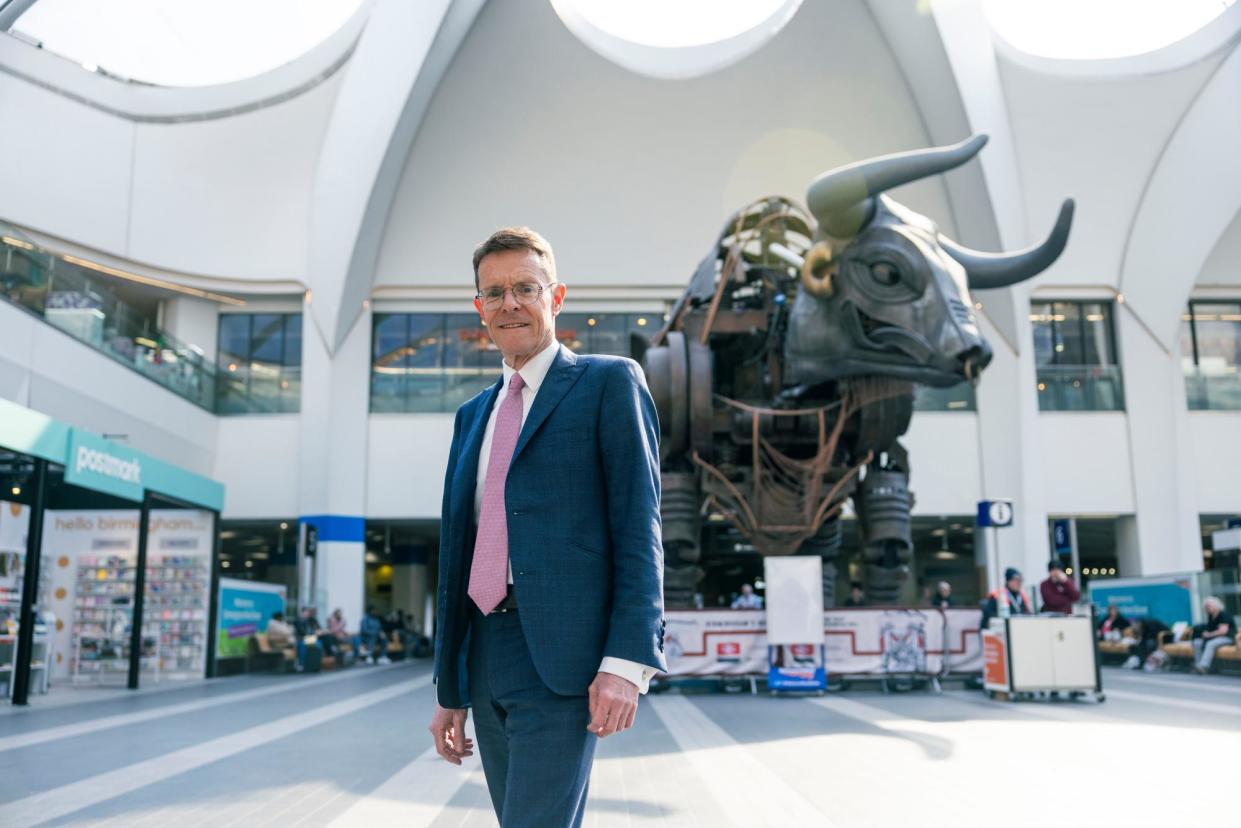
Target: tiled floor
x=352, y=748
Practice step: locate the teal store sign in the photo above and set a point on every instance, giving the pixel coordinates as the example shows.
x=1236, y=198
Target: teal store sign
x=99, y=464
x=94, y=463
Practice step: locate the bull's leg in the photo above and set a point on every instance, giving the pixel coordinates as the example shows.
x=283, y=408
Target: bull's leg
x=679, y=509
x=884, y=502
x=826, y=544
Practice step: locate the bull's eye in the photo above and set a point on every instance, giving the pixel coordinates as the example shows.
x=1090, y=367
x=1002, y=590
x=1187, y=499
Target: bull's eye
x=885, y=273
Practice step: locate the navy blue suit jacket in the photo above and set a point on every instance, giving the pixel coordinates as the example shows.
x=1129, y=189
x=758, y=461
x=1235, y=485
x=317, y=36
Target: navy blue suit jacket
x=582, y=496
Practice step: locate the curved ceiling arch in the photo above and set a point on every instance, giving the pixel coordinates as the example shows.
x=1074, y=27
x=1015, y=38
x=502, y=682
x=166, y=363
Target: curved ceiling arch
x=1192, y=197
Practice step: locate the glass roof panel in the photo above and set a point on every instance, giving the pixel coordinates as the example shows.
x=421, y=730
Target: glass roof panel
x=1098, y=29
x=183, y=43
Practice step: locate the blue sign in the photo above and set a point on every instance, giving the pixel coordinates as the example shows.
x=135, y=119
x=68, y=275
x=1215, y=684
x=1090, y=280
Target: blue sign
x=1234, y=523
x=995, y=513
x=797, y=667
x=245, y=608
x=1167, y=599
x=1061, y=537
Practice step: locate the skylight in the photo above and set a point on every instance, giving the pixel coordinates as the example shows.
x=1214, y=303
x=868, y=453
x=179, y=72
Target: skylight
x=183, y=43
x=675, y=38
x=1098, y=29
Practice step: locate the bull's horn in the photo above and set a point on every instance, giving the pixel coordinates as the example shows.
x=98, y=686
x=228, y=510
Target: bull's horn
x=997, y=270
x=841, y=198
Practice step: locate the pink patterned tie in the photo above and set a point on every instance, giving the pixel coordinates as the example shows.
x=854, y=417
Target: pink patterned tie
x=489, y=572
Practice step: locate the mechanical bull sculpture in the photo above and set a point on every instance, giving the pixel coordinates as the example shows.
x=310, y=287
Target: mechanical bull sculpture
x=785, y=374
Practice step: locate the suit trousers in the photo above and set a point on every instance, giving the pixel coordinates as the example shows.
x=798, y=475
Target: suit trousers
x=535, y=748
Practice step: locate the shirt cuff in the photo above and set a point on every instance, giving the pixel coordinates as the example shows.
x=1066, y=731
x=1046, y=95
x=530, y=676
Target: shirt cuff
x=631, y=671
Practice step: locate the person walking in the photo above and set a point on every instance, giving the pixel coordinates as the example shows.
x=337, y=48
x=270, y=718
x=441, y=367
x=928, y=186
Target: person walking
x=551, y=564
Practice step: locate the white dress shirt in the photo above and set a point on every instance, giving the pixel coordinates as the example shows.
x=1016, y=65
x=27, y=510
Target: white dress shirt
x=533, y=374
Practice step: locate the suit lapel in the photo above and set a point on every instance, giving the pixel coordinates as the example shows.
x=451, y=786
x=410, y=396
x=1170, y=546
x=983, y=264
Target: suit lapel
x=560, y=377
x=466, y=478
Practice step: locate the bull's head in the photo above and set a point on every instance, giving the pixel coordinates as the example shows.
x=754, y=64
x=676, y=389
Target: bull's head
x=885, y=293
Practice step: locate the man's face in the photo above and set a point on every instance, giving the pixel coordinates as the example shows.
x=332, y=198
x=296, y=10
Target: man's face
x=856, y=593
x=1014, y=584
x=519, y=331
x=945, y=590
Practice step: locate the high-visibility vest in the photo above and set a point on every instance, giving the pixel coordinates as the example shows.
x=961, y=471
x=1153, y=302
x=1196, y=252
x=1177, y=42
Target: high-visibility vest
x=1008, y=601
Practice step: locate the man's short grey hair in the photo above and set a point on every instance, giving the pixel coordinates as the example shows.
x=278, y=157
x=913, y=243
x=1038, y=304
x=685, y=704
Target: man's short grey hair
x=516, y=238
x=1217, y=603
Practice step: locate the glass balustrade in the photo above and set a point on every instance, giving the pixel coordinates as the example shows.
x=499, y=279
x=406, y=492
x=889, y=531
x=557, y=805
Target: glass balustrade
x=1080, y=388
x=75, y=300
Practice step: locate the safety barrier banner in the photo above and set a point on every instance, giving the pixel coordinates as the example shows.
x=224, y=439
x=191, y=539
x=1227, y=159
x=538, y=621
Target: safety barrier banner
x=864, y=640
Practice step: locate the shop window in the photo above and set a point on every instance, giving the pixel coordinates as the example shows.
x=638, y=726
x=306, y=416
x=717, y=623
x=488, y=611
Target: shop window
x=434, y=362
x=259, y=363
x=1210, y=355
x=1075, y=355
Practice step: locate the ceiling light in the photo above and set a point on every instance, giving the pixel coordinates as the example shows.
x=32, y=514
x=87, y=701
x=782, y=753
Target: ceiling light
x=16, y=490
x=284, y=525
x=148, y=280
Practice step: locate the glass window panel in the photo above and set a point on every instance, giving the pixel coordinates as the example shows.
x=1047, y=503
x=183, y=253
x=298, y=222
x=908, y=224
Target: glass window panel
x=1097, y=334
x=471, y=361
x=1041, y=314
x=293, y=340
x=610, y=335
x=267, y=338
x=234, y=341
x=573, y=331
x=1218, y=327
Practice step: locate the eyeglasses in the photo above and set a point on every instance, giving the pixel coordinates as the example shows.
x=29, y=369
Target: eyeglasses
x=526, y=293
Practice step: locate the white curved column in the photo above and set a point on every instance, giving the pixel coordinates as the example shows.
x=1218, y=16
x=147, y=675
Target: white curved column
x=387, y=87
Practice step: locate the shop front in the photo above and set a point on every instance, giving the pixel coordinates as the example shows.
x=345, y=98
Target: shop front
x=107, y=561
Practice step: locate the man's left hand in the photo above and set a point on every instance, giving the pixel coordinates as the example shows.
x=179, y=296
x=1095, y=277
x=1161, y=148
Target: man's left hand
x=613, y=704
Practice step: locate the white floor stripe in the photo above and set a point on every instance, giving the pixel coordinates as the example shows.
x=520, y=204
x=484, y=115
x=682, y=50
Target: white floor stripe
x=1190, y=683
x=1168, y=701
x=50, y=734
x=58, y=802
x=415, y=794
x=748, y=791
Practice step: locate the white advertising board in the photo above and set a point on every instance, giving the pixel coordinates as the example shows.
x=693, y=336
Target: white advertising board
x=794, y=599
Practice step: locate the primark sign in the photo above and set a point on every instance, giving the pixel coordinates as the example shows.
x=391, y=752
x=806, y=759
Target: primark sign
x=104, y=466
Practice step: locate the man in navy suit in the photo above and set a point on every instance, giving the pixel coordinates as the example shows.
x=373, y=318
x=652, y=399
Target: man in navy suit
x=551, y=565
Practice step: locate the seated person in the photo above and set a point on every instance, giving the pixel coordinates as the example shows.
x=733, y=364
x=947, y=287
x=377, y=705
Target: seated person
x=280, y=633
x=373, y=638
x=1112, y=622
x=307, y=627
x=747, y=599
x=1220, y=630
x=1145, y=632
x=942, y=599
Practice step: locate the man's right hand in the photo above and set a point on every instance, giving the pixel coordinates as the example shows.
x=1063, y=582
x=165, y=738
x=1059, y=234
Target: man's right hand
x=448, y=730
